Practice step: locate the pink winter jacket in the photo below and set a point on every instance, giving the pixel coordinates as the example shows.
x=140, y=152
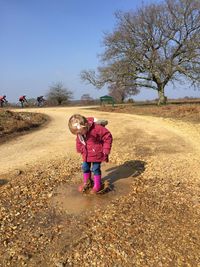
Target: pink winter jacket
x=96, y=145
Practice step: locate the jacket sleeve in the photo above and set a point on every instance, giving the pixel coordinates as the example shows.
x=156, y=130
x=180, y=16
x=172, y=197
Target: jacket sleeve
x=107, y=139
x=79, y=145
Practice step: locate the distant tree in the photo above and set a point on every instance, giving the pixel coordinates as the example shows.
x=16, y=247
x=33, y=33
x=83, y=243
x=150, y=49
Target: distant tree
x=120, y=85
x=120, y=92
x=58, y=94
x=86, y=99
x=31, y=101
x=155, y=45
x=130, y=101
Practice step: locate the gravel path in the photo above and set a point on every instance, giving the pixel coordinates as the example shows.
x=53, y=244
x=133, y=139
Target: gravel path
x=154, y=223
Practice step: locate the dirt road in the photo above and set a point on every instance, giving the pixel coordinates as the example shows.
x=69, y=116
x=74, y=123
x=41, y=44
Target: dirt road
x=55, y=140
x=155, y=222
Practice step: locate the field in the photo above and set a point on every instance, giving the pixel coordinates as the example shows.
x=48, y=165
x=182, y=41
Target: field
x=187, y=112
x=151, y=218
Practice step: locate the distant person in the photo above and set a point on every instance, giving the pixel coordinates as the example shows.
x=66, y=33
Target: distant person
x=93, y=142
x=40, y=101
x=3, y=100
x=22, y=99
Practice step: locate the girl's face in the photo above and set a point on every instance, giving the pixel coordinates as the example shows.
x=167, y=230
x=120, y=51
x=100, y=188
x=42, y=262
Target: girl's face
x=82, y=130
x=78, y=128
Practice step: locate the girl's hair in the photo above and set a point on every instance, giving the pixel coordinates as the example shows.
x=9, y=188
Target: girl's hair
x=76, y=122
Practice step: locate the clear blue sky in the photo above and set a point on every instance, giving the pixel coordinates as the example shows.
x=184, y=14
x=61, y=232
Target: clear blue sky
x=46, y=41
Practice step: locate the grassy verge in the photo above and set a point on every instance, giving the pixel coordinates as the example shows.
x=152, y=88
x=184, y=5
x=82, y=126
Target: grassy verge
x=185, y=112
x=13, y=124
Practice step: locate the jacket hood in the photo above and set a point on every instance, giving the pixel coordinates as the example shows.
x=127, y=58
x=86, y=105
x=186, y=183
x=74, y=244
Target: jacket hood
x=90, y=121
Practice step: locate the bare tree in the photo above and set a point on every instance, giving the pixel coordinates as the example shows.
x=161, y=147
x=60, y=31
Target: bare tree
x=58, y=94
x=120, y=92
x=86, y=99
x=158, y=44
x=116, y=75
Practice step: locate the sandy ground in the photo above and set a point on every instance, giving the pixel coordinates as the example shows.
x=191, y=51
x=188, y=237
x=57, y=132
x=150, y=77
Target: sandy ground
x=153, y=223
x=55, y=140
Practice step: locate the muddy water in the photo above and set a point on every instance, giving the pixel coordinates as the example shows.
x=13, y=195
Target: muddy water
x=69, y=200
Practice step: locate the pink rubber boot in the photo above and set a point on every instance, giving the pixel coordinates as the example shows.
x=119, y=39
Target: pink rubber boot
x=86, y=176
x=97, y=184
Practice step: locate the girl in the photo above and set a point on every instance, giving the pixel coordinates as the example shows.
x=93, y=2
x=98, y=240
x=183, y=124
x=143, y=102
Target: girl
x=94, y=143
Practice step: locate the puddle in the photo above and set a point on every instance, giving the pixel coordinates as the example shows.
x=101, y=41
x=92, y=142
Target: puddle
x=69, y=200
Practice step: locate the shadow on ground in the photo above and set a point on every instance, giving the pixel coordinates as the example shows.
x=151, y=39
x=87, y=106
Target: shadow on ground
x=128, y=169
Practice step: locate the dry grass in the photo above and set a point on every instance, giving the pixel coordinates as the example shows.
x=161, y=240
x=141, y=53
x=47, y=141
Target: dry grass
x=13, y=124
x=185, y=112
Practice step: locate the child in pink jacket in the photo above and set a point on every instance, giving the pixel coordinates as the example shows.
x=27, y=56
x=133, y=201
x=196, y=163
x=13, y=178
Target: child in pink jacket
x=94, y=143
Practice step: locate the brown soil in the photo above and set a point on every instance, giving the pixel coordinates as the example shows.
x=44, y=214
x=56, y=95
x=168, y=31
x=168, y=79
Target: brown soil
x=150, y=219
x=14, y=124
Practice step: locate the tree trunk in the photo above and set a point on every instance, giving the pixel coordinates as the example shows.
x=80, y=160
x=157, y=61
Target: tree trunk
x=162, y=99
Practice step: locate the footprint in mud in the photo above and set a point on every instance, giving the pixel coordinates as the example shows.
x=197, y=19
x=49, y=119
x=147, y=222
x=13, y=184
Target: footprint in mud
x=69, y=200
